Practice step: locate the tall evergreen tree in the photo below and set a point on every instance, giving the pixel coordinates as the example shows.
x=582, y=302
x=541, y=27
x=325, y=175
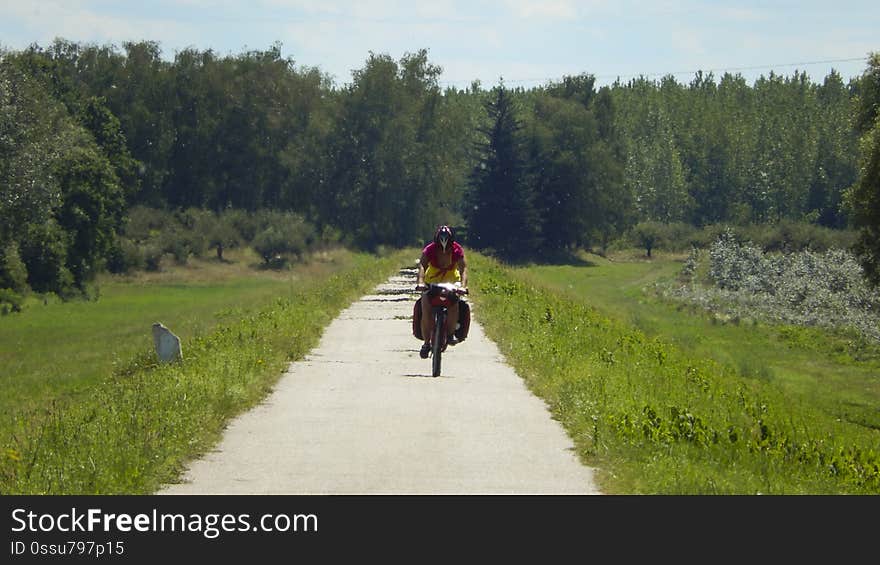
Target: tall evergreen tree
x=500, y=212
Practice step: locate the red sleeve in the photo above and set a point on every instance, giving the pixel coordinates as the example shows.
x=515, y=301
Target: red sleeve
x=428, y=251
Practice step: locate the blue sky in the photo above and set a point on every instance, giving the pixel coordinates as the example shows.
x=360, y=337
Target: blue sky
x=526, y=42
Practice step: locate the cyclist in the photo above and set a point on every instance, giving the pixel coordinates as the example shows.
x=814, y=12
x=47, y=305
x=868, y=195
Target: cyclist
x=442, y=260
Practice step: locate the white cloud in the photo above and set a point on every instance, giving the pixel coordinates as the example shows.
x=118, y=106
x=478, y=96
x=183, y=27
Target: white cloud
x=439, y=9
x=688, y=40
x=552, y=9
x=339, y=45
x=460, y=72
x=519, y=39
x=369, y=9
x=84, y=23
x=564, y=10
x=741, y=14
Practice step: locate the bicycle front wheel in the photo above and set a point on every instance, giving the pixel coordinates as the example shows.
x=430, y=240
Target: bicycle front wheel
x=437, y=341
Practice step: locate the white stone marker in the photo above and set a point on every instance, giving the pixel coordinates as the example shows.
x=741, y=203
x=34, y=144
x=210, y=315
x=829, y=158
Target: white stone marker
x=167, y=344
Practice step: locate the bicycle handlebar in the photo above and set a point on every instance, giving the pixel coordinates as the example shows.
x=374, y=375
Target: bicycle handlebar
x=459, y=291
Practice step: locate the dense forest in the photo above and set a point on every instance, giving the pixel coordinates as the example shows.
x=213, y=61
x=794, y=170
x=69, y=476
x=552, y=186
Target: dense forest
x=100, y=145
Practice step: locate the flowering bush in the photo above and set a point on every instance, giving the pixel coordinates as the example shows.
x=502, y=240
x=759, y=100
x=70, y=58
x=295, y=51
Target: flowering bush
x=826, y=289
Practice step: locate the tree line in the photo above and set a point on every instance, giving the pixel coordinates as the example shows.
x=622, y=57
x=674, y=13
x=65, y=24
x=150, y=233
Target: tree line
x=89, y=132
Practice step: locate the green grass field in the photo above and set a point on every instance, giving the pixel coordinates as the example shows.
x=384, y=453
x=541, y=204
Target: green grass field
x=58, y=349
x=666, y=400
x=661, y=398
x=823, y=368
x=87, y=408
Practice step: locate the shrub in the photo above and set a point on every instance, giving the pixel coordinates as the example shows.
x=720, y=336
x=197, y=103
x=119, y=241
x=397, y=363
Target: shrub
x=648, y=235
x=283, y=235
x=790, y=236
x=44, y=252
x=13, y=273
x=174, y=241
x=805, y=288
x=145, y=223
x=220, y=233
x=270, y=244
x=674, y=236
x=125, y=256
x=10, y=301
x=152, y=257
x=181, y=242
x=246, y=224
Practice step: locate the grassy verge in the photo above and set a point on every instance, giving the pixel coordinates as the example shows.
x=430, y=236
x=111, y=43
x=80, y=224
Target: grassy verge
x=132, y=430
x=655, y=416
x=61, y=349
x=831, y=371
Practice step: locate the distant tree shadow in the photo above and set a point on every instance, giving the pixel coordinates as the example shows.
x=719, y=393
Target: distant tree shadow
x=559, y=257
x=568, y=257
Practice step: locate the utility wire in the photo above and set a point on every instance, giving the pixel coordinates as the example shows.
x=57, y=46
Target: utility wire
x=754, y=68
x=648, y=75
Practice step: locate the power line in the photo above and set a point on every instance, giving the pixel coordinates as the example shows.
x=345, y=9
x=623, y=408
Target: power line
x=754, y=68
x=714, y=71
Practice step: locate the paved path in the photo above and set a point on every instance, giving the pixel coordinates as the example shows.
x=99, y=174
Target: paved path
x=361, y=414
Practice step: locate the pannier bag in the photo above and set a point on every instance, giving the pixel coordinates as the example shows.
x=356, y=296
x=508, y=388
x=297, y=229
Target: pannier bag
x=417, y=319
x=464, y=320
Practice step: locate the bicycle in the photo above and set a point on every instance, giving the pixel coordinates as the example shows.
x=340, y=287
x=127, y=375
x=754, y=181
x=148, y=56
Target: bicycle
x=440, y=296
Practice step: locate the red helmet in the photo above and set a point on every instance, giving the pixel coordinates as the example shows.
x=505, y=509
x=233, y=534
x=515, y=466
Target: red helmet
x=444, y=237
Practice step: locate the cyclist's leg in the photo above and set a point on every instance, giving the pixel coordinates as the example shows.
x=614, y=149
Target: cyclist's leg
x=427, y=322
